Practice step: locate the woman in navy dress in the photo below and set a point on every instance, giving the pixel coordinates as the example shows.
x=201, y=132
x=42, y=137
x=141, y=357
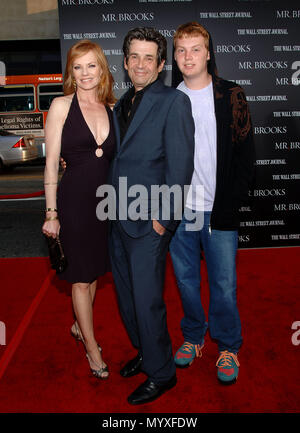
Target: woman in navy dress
x=80, y=129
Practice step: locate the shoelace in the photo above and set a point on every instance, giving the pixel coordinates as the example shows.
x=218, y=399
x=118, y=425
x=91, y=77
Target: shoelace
x=188, y=347
x=225, y=359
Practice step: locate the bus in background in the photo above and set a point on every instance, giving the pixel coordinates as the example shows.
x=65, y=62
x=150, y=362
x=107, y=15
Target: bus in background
x=24, y=104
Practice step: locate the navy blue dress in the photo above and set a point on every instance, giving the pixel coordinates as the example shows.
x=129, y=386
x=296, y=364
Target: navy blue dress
x=84, y=238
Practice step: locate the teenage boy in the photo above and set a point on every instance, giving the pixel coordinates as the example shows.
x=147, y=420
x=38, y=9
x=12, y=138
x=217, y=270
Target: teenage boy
x=224, y=165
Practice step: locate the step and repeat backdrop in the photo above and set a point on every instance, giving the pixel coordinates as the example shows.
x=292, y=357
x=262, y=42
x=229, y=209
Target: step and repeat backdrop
x=257, y=45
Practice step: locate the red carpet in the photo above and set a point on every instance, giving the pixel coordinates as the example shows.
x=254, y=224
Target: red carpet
x=42, y=370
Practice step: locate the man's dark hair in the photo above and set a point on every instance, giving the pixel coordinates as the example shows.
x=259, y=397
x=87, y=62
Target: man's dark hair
x=147, y=34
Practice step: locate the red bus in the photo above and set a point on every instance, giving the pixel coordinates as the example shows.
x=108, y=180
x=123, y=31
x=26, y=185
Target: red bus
x=24, y=104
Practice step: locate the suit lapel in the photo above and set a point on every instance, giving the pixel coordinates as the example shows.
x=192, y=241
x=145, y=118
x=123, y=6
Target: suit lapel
x=141, y=113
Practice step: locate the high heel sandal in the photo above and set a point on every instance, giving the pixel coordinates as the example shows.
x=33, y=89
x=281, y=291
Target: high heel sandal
x=77, y=333
x=78, y=336
x=98, y=373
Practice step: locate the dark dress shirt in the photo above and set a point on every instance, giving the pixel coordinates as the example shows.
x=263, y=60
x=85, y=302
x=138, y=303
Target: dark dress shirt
x=129, y=105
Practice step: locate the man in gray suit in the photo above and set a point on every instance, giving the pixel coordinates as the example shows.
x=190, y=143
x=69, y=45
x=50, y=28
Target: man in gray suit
x=155, y=146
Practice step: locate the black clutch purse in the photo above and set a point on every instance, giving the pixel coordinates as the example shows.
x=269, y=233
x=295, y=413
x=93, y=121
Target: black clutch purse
x=56, y=255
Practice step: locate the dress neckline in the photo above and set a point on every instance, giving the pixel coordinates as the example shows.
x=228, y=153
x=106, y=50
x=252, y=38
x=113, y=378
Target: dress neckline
x=81, y=113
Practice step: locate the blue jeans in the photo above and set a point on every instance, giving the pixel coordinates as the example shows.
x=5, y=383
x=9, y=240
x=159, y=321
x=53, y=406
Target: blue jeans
x=220, y=249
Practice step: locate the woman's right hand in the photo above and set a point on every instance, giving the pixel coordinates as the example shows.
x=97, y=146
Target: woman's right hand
x=63, y=163
x=51, y=228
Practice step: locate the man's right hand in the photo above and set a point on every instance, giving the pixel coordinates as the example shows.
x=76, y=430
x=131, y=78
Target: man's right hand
x=158, y=227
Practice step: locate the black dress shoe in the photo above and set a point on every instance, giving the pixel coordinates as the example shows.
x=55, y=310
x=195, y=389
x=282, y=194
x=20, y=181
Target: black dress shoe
x=149, y=391
x=132, y=367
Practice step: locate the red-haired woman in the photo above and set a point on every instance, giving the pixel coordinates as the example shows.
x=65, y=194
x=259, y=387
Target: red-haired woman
x=79, y=128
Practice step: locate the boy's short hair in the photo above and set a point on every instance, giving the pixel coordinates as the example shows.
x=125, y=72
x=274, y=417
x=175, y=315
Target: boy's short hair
x=191, y=29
